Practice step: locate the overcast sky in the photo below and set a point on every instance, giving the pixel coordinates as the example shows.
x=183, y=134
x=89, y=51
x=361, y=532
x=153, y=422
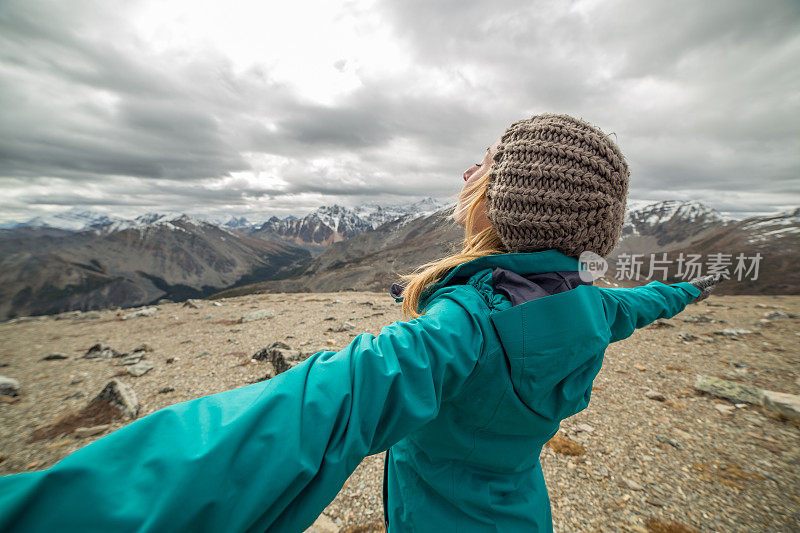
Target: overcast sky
x=263, y=108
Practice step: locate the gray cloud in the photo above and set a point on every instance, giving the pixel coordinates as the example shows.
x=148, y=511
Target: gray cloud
x=702, y=97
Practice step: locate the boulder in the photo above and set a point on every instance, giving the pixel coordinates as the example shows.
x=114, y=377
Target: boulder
x=280, y=354
x=783, y=405
x=9, y=386
x=121, y=397
x=101, y=351
x=147, y=311
x=139, y=369
x=730, y=390
x=261, y=314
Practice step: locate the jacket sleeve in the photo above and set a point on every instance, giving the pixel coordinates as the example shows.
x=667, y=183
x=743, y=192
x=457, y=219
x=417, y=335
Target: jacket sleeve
x=269, y=456
x=630, y=309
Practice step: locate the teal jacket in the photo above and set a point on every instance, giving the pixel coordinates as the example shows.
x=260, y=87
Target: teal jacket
x=463, y=398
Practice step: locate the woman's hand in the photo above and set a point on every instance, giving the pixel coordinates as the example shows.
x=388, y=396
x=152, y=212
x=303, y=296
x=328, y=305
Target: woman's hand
x=706, y=284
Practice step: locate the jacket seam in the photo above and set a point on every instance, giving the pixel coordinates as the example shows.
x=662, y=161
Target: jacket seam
x=483, y=355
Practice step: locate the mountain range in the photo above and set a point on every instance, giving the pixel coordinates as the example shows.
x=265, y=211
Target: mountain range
x=85, y=260
x=373, y=260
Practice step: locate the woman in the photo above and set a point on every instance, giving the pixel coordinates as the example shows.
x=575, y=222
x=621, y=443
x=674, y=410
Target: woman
x=504, y=340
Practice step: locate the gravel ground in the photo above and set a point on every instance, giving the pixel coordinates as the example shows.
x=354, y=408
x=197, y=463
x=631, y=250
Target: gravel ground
x=681, y=464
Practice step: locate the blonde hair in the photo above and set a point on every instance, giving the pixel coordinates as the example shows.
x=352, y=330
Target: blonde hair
x=474, y=245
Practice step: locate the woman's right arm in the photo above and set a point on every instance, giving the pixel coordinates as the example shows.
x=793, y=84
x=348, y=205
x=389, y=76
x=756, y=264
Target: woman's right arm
x=630, y=309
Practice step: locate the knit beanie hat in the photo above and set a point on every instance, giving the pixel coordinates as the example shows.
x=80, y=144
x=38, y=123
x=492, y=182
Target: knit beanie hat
x=557, y=182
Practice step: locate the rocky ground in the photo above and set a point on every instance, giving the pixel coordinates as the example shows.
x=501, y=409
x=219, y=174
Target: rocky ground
x=652, y=452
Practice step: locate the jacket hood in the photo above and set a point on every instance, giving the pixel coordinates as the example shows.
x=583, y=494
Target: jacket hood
x=520, y=263
x=551, y=325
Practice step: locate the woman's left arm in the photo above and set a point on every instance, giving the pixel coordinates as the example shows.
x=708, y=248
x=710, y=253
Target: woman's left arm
x=269, y=456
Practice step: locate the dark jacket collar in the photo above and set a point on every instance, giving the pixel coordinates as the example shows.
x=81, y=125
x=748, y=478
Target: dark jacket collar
x=520, y=289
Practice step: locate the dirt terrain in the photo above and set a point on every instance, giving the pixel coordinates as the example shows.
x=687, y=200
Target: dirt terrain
x=650, y=453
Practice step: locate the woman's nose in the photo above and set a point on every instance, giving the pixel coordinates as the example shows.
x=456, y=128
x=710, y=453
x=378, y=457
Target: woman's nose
x=467, y=173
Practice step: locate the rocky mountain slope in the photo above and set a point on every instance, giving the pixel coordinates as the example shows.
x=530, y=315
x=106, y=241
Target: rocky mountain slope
x=45, y=270
x=757, y=255
x=652, y=452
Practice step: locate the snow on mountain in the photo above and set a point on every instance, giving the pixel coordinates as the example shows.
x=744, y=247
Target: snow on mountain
x=74, y=219
x=773, y=226
x=150, y=221
x=643, y=218
x=376, y=214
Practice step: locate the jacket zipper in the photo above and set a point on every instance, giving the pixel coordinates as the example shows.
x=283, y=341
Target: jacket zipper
x=385, y=472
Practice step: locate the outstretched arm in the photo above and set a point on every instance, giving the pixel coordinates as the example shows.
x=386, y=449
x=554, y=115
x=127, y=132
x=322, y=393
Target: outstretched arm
x=269, y=456
x=630, y=309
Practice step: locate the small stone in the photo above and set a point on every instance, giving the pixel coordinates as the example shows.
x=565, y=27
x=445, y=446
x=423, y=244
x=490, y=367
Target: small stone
x=144, y=347
x=171, y=360
x=631, y=484
x=584, y=427
x=346, y=326
x=9, y=386
x=58, y=356
x=166, y=390
x=755, y=420
x=691, y=337
x=661, y=323
x=131, y=359
x=216, y=304
x=139, y=369
x=82, y=433
x=724, y=409
x=657, y=503
x=778, y=314
x=733, y=332
x=192, y=304
x=667, y=440
x=653, y=395
x=695, y=319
